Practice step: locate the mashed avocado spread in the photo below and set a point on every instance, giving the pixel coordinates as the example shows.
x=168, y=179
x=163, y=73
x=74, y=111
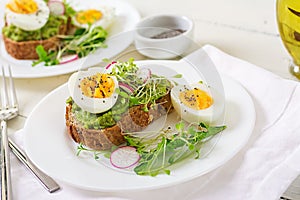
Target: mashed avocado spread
x=145, y=93
x=100, y=120
x=50, y=29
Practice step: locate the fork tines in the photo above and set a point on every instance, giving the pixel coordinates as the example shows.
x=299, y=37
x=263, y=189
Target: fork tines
x=8, y=100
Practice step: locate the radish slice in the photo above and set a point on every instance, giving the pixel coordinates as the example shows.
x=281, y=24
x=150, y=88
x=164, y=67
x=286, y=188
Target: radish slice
x=124, y=157
x=109, y=65
x=144, y=74
x=56, y=7
x=68, y=58
x=126, y=88
x=7, y=21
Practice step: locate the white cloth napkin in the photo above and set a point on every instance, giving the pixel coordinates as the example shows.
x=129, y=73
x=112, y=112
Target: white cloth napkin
x=263, y=169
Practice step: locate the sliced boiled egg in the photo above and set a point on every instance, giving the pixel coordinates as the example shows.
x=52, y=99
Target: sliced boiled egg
x=197, y=103
x=102, y=16
x=27, y=14
x=93, y=90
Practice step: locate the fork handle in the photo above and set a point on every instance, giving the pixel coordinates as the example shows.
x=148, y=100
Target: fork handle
x=6, y=191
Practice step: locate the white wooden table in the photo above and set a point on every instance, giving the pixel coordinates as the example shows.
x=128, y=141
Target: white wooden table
x=245, y=29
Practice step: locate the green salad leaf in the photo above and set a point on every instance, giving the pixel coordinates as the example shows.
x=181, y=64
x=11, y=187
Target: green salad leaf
x=157, y=154
x=44, y=56
x=81, y=43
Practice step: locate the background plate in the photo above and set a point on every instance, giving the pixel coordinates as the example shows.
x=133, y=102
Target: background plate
x=120, y=37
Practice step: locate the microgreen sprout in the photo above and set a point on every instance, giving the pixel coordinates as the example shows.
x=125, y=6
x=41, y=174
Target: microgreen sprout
x=159, y=153
x=81, y=43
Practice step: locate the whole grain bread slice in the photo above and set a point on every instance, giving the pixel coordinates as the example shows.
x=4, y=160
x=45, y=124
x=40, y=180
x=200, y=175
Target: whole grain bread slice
x=26, y=50
x=134, y=120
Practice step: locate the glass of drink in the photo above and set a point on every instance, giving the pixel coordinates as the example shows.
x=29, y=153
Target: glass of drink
x=288, y=19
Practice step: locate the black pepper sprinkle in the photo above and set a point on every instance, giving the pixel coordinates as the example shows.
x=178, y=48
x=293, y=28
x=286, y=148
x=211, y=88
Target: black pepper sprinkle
x=102, y=93
x=168, y=34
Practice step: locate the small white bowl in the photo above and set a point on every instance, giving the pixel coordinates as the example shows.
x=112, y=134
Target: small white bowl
x=158, y=25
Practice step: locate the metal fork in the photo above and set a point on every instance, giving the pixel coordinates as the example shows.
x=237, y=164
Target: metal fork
x=9, y=110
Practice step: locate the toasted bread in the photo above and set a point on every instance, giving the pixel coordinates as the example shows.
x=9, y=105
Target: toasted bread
x=26, y=50
x=135, y=119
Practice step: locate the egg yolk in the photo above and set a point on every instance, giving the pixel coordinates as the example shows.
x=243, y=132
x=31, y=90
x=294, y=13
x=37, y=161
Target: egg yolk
x=97, y=86
x=88, y=16
x=196, y=99
x=22, y=6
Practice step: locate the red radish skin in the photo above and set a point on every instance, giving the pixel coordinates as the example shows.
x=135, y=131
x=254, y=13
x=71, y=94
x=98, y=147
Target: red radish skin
x=56, y=7
x=124, y=157
x=68, y=58
x=109, y=65
x=126, y=87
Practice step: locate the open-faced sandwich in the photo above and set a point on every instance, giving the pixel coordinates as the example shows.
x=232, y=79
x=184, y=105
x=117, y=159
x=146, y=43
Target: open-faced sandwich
x=29, y=23
x=107, y=103
x=109, y=109
x=48, y=30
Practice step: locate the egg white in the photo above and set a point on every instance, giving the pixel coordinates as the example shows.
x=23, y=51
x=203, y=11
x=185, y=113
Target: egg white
x=92, y=105
x=108, y=17
x=209, y=115
x=29, y=22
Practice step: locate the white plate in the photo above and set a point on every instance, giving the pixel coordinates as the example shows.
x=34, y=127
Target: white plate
x=49, y=147
x=120, y=37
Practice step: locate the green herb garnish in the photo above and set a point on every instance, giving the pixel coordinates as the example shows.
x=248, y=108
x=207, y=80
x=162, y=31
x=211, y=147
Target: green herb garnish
x=145, y=92
x=82, y=43
x=157, y=154
x=44, y=56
